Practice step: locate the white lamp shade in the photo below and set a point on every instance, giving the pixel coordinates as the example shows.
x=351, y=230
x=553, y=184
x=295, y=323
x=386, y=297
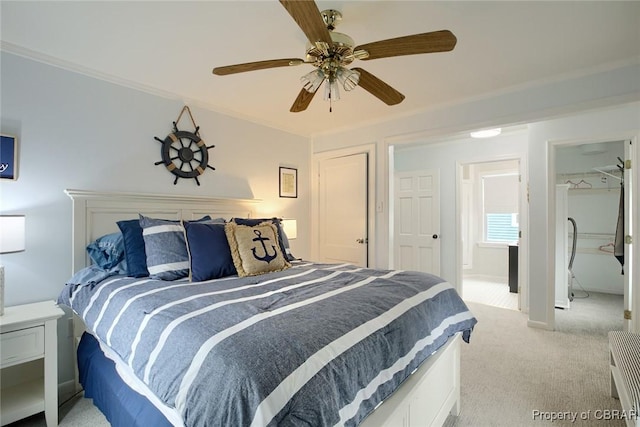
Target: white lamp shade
x=290, y=228
x=12, y=233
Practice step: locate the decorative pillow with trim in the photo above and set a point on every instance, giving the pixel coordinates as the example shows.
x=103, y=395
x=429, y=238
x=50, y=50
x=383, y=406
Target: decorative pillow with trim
x=255, y=249
x=282, y=236
x=209, y=252
x=166, y=248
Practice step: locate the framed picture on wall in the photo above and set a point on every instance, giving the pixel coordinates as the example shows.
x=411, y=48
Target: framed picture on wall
x=8, y=157
x=288, y=182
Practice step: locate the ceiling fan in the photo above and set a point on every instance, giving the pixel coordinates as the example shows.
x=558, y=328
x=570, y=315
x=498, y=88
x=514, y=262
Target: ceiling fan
x=331, y=52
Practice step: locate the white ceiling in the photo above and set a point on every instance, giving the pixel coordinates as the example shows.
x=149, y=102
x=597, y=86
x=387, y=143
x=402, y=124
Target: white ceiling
x=170, y=48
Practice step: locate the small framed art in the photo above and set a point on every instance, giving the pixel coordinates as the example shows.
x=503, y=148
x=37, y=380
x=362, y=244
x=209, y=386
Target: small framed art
x=8, y=157
x=288, y=182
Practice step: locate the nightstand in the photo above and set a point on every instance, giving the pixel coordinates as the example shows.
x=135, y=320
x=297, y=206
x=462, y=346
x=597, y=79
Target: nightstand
x=29, y=362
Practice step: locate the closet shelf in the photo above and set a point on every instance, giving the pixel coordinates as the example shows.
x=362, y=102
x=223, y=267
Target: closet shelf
x=585, y=191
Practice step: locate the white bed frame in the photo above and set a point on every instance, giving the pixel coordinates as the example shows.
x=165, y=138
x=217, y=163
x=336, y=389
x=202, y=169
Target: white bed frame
x=425, y=399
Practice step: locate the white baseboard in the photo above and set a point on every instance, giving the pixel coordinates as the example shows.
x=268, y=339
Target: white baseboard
x=539, y=325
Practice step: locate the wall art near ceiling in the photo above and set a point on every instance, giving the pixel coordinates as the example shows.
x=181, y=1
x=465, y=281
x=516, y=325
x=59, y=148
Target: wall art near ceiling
x=8, y=157
x=288, y=182
x=184, y=153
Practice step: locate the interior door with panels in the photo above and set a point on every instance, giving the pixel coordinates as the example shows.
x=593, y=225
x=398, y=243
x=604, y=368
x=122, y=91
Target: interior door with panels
x=417, y=221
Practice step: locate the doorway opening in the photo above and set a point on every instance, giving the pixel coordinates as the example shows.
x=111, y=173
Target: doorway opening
x=490, y=203
x=590, y=283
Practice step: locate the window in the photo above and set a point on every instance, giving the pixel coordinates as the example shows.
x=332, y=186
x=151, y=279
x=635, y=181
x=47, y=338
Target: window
x=500, y=207
x=501, y=227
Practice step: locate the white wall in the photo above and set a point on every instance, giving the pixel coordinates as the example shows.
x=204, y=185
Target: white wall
x=78, y=132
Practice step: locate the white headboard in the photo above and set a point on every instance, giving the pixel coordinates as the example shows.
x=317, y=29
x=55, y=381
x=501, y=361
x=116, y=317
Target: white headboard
x=95, y=213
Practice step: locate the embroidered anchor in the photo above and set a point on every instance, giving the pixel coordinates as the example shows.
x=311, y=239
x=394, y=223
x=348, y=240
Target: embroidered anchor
x=266, y=258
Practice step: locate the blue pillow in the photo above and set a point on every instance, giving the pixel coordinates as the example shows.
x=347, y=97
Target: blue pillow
x=282, y=237
x=209, y=252
x=134, y=248
x=107, y=251
x=166, y=248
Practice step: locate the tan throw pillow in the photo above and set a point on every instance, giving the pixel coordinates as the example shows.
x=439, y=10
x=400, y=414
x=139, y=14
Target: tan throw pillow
x=255, y=249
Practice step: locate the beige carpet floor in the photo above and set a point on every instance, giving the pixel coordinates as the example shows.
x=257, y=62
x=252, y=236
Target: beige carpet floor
x=513, y=375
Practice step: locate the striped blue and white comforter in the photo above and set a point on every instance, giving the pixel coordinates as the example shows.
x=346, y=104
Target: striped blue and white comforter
x=316, y=344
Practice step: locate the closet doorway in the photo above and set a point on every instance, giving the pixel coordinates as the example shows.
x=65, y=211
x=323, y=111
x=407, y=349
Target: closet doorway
x=490, y=230
x=590, y=284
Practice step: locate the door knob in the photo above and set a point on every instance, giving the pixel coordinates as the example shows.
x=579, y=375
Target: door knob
x=361, y=241
x=435, y=236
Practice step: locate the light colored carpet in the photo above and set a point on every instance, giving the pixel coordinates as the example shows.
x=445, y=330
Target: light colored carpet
x=508, y=370
x=511, y=372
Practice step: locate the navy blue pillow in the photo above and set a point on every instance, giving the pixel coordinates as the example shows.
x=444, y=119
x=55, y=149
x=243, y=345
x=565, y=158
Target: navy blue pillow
x=209, y=252
x=134, y=248
x=282, y=237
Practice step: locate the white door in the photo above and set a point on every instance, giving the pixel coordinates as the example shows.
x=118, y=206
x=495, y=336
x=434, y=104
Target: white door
x=417, y=221
x=342, y=218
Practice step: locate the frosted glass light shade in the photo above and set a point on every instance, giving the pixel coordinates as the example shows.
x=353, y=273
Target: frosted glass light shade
x=312, y=81
x=331, y=90
x=348, y=78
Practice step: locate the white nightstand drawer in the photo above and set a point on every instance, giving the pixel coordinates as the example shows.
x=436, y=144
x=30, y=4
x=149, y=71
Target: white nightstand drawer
x=21, y=345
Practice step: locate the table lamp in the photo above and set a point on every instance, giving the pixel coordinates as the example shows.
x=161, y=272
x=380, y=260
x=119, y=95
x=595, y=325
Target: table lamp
x=290, y=227
x=12, y=239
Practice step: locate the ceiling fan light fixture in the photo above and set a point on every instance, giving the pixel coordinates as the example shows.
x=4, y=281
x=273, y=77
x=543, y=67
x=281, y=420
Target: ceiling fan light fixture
x=348, y=78
x=312, y=81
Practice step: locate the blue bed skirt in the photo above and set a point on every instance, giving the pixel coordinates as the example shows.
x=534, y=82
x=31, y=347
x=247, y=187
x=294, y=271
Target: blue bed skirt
x=122, y=406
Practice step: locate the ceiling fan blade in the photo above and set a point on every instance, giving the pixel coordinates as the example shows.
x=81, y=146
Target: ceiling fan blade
x=378, y=88
x=436, y=41
x=307, y=16
x=302, y=101
x=259, y=65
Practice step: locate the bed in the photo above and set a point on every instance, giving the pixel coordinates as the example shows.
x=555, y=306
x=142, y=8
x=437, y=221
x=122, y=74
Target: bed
x=301, y=343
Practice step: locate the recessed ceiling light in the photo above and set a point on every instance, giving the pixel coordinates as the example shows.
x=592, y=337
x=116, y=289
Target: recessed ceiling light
x=486, y=133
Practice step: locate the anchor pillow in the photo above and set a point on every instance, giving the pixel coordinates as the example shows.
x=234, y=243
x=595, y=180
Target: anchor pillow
x=255, y=249
x=282, y=236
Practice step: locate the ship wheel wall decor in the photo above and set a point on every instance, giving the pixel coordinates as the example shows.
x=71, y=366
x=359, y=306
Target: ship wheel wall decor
x=184, y=154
